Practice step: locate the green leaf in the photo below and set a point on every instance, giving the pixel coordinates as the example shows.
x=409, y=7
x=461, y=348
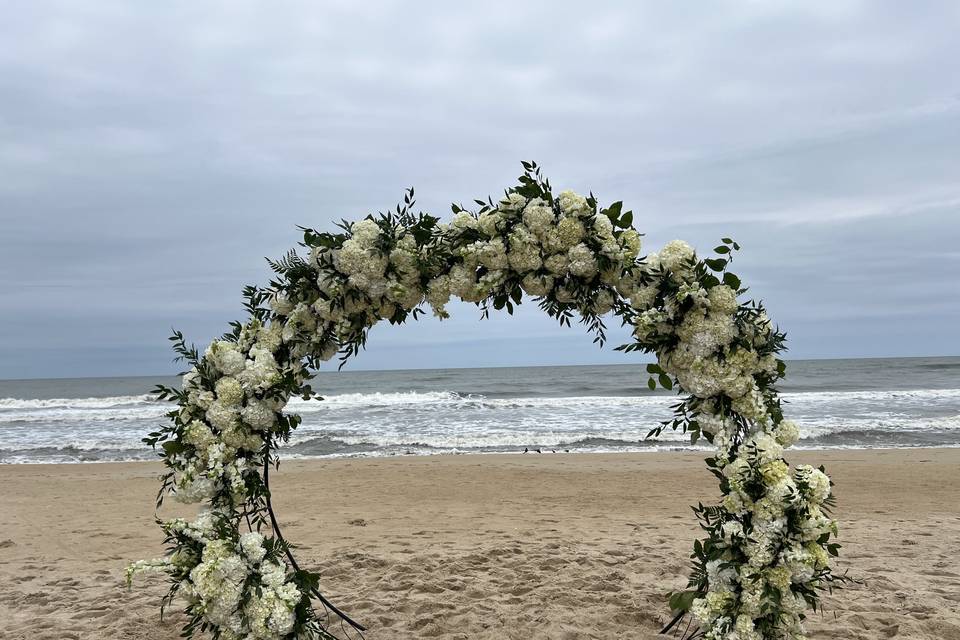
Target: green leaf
x=710, y=280
x=665, y=381
x=627, y=220
x=172, y=447
x=731, y=281
x=717, y=264
x=722, y=249
x=654, y=368
x=613, y=211
x=651, y=384
x=682, y=600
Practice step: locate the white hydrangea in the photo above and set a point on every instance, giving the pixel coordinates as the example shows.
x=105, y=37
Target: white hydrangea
x=583, y=263
x=222, y=416
x=281, y=304
x=198, y=435
x=643, y=298
x=557, y=264
x=463, y=221
x=711, y=607
x=573, y=204
x=513, y=201
x=524, y=257
x=704, y=334
x=815, y=485
x=226, y=357
x=603, y=227
x=492, y=254
x=251, y=544
x=229, y=391
x=366, y=232
x=258, y=414
x=631, y=242
x=602, y=303
x=488, y=223
x=260, y=372
x=787, y=433
x=721, y=575
x=567, y=233
x=676, y=257
x=216, y=584
x=539, y=218
x=536, y=285
x=723, y=300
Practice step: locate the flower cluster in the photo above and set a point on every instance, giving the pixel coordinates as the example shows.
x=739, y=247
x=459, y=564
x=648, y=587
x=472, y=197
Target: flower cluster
x=767, y=546
x=766, y=554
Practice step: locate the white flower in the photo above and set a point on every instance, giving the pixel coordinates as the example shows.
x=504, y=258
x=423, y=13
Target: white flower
x=573, y=204
x=568, y=232
x=539, y=218
x=719, y=576
x=643, y=298
x=492, y=254
x=226, y=357
x=463, y=221
x=281, y=304
x=488, y=223
x=602, y=303
x=438, y=294
x=705, y=334
x=583, y=263
x=513, y=201
x=603, y=227
x=367, y=232
x=258, y=415
x=229, y=391
x=524, y=258
x=676, y=256
x=536, y=286
x=190, y=380
x=723, y=299
x=198, y=434
x=631, y=242
x=557, y=264
x=813, y=483
x=222, y=416
x=787, y=433
x=252, y=545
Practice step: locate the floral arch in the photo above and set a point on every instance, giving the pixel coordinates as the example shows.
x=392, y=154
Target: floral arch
x=764, y=555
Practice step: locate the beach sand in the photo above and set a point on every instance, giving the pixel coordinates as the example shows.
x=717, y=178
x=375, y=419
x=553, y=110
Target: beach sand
x=479, y=547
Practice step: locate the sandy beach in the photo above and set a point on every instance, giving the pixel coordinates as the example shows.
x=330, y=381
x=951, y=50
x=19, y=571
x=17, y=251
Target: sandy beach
x=495, y=546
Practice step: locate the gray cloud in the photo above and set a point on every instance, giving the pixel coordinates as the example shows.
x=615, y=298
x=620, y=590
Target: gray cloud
x=151, y=154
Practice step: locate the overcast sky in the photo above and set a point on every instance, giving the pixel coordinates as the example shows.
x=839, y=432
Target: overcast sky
x=151, y=154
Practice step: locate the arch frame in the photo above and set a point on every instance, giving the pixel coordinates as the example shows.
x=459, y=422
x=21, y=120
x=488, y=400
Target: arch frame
x=764, y=558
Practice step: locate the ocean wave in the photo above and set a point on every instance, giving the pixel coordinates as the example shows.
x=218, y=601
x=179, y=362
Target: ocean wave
x=449, y=398
x=108, y=402
x=397, y=422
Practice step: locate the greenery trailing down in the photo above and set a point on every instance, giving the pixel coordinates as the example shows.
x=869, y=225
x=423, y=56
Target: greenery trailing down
x=765, y=555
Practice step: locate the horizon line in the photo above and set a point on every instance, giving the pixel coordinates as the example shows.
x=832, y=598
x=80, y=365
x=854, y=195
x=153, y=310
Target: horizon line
x=525, y=366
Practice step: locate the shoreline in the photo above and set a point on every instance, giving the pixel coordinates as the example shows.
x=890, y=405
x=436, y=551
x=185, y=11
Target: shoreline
x=640, y=451
x=481, y=546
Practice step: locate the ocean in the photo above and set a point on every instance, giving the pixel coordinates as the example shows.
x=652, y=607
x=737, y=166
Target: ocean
x=864, y=403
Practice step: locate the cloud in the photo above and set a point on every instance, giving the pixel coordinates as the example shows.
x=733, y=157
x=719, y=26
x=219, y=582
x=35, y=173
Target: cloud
x=152, y=154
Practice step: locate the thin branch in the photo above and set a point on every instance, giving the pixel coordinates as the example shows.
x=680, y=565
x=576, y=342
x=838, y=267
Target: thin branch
x=286, y=547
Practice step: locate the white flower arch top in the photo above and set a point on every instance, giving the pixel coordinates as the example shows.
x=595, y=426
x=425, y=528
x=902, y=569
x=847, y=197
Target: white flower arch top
x=764, y=556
